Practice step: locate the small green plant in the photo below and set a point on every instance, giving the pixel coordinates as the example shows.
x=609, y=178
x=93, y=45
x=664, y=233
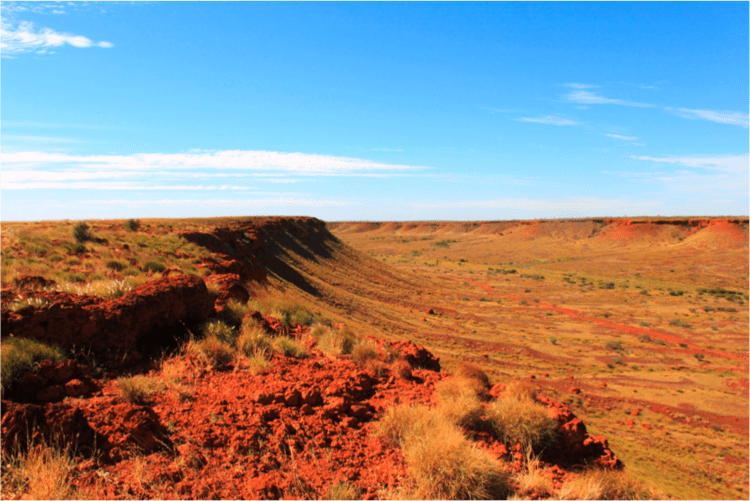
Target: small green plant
x=680, y=323
x=78, y=248
x=81, y=232
x=132, y=224
x=18, y=355
x=699, y=356
x=154, y=266
x=553, y=339
x=137, y=389
x=644, y=338
x=221, y=331
x=252, y=339
x=683, y=345
x=613, y=345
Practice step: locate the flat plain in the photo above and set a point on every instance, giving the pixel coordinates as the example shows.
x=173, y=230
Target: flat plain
x=641, y=325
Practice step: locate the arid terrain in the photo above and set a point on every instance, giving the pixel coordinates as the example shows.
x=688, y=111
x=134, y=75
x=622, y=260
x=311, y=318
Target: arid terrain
x=271, y=357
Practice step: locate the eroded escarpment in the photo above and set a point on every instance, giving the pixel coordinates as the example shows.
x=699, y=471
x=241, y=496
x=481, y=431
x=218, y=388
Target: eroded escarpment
x=118, y=325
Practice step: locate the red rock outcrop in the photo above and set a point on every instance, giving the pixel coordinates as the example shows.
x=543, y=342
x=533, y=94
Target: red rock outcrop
x=577, y=447
x=81, y=321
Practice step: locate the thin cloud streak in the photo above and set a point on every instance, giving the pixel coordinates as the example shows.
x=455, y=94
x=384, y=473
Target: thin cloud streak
x=624, y=138
x=586, y=97
x=722, y=117
x=725, y=163
x=549, y=119
x=579, y=203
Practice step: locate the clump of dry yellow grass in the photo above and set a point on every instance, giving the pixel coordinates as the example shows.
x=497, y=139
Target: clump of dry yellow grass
x=343, y=490
x=532, y=481
x=137, y=389
x=42, y=471
x=443, y=464
x=458, y=401
x=605, y=484
x=517, y=419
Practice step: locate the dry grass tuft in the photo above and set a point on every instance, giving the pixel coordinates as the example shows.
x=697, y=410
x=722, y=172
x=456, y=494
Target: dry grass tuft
x=42, y=471
x=334, y=342
x=471, y=371
x=459, y=402
x=344, y=490
x=212, y=350
x=533, y=483
x=138, y=389
x=442, y=462
x=289, y=347
x=523, y=421
x=252, y=339
x=604, y=484
x=364, y=351
x=401, y=368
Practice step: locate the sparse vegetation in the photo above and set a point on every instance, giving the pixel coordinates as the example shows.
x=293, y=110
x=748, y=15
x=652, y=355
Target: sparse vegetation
x=289, y=347
x=154, y=266
x=132, y=224
x=18, y=355
x=138, y=389
x=603, y=484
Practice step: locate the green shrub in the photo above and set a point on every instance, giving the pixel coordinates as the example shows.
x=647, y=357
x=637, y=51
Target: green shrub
x=18, y=355
x=154, y=266
x=132, y=224
x=55, y=258
x=78, y=248
x=289, y=347
x=81, y=232
x=523, y=421
x=77, y=277
x=613, y=345
x=116, y=265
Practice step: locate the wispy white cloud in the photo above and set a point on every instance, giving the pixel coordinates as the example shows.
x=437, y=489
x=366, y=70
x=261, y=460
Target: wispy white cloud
x=548, y=119
x=624, y=138
x=38, y=170
x=283, y=202
x=716, y=175
x=581, y=86
x=576, y=203
x=37, y=139
x=22, y=37
x=722, y=117
x=587, y=97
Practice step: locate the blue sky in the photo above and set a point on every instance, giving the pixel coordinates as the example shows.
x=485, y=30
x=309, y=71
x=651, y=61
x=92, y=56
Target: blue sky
x=374, y=111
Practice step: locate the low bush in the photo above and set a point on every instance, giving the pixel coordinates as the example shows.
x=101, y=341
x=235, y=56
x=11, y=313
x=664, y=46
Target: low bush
x=289, y=347
x=604, y=484
x=154, y=266
x=257, y=363
x=471, y=371
x=137, y=389
x=81, y=232
x=116, y=265
x=523, y=421
x=132, y=224
x=18, y=355
x=77, y=277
